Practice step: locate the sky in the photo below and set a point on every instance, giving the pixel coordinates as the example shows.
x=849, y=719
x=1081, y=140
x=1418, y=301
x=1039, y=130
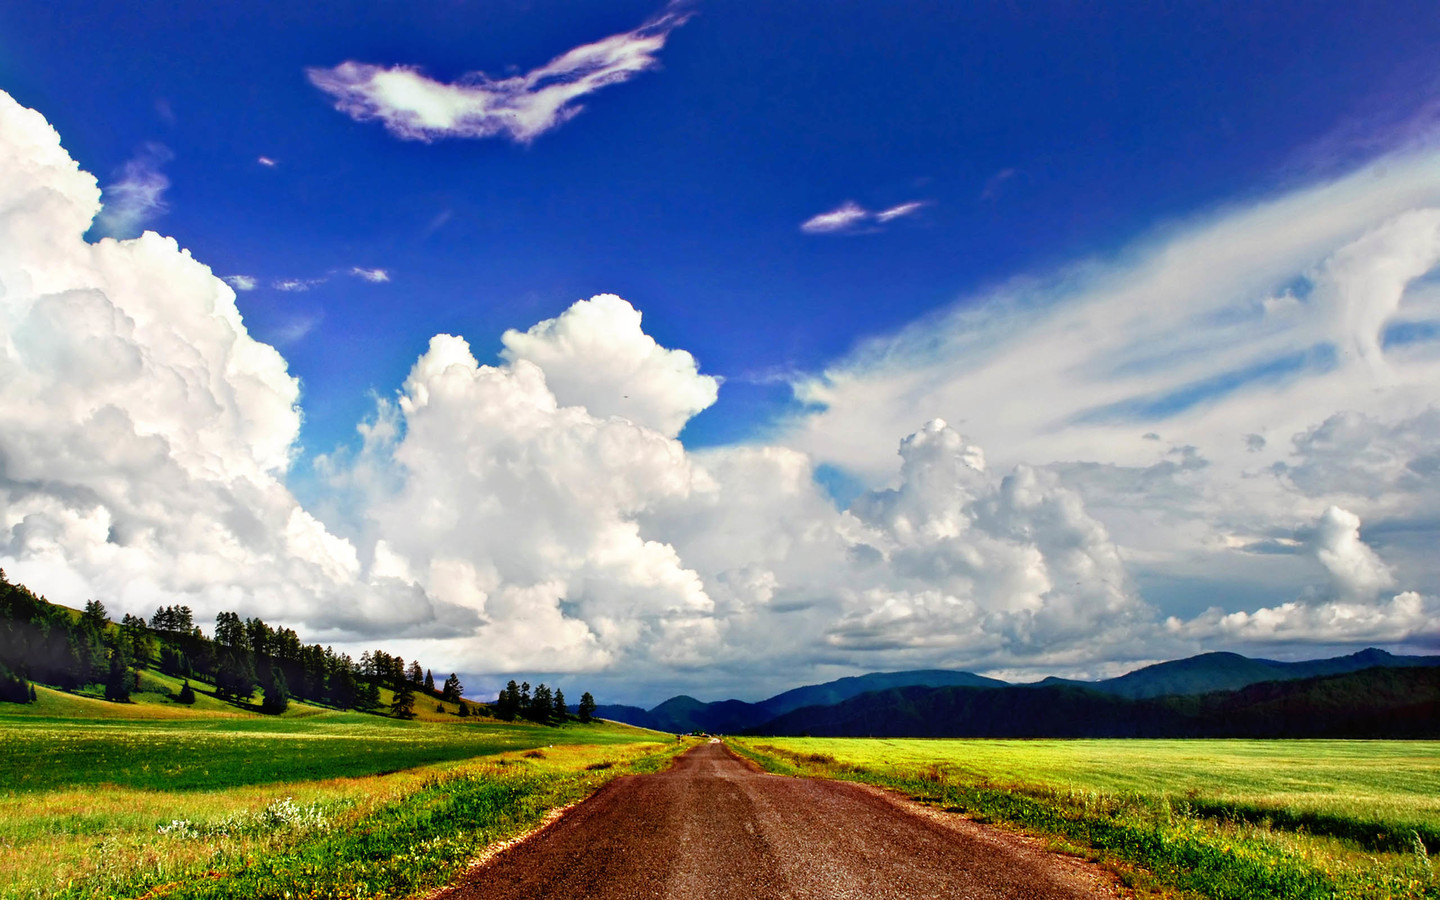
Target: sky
x=720, y=348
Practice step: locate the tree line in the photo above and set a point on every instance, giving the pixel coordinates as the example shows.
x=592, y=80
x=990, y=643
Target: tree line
x=44, y=643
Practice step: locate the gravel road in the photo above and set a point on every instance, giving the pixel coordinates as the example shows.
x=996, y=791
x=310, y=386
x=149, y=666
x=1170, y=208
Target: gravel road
x=713, y=826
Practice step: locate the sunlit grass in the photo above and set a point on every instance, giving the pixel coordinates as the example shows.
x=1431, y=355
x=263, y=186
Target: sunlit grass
x=117, y=808
x=1225, y=819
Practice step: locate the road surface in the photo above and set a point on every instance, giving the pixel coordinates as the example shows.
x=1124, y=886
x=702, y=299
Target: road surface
x=714, y=827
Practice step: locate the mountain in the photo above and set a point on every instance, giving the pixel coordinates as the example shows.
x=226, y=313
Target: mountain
x=1379, y=702
x=685, y=714
x=1231, y=672
x=832, y=692
x=1206, y=673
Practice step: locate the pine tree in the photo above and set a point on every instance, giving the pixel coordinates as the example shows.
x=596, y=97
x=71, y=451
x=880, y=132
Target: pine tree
x=187, y=694
x=541, y=705
x=464, y=709
x=33, y=698
x=429, y=683
x=562, y=715
x=403, y=706
x=277, y=693
x=587, y=708
x=117, y=683
x=453, y=689
x=417, y=675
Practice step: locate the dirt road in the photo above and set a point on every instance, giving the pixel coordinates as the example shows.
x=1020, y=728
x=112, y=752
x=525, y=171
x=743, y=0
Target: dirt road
x=714, y=827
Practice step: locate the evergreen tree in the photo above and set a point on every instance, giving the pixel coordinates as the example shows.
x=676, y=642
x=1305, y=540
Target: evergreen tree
x=187, y=694
x=523, y=706
x=540, y=705
x=277, y=693
x=464, y=709
x=14, y=688
x=587, y=708
x=95, y=616
x=367, y=697
x=429, y=682
x=403, y=706
x=507, y=705
x=453, y=689
x=33, y=698
x=562, y=715
x=235, y=677
x=417, y=674
x=118, y=683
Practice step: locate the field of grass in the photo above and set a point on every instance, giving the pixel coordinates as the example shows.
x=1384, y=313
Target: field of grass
x=175, y=801
x=1223, y=819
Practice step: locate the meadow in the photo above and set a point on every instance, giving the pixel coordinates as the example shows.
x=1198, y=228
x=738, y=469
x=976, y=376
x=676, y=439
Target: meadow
x=178, y=802
x=1226, y=819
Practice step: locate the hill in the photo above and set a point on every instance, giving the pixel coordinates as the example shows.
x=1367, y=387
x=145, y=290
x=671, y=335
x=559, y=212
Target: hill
x=1206, y=673
x=1379, y=702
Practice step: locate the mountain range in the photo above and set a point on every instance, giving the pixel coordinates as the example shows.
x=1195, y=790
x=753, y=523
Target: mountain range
x=1213, y=694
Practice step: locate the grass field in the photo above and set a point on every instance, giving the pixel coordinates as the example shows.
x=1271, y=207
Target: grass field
x=1224, y=819
x=175, y=801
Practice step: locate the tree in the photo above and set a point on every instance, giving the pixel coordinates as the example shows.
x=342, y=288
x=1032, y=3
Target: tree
x=14, y=688
x=429, y=682
x=187, y=694
x=453, y=689
x=540, y=705
x=119, y=682
x=464, y=710
x=367, y=697
x=277, y=693
x=95, y=616
x=562, y=715
x=137, y=635
x=417, y=674
x=403, y=706
x=507, y=705
x=587, y=708
x=236, y=675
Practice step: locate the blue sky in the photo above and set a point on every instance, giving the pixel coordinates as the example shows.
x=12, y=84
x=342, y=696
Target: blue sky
x=956, y=164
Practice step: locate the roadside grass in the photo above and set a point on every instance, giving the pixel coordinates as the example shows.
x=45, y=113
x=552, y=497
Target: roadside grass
x=1222, y=819
x=282, y=807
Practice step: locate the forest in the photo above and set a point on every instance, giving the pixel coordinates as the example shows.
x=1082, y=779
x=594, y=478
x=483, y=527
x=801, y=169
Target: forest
x=48, y=644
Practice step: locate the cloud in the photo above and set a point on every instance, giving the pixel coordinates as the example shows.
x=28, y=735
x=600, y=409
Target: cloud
x=1258, y=340
x=296, y=284
x=996, y=183
x=413, y=106
x=540, y=515
x=266, y=161
x=241, y=282
x=850, y=217
x=138, y=197
x=374, y=276
x=596, y=356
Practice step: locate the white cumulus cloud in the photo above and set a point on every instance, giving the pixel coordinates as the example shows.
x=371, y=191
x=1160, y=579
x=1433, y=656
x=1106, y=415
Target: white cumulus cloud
x=414, y=106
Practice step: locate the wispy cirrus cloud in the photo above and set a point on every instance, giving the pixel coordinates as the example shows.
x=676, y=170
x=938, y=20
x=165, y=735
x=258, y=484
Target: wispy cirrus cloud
x=296, y=284
x=138, y=197
x=850, y=217
x=416, y=107
x=374, y=276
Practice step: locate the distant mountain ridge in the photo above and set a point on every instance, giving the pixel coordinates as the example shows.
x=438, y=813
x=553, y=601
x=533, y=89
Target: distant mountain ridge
x=1207, y=673
x=1380, y=702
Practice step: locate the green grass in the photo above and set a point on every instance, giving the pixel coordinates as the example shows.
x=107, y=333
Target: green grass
x=221, y=802
x=205, y=753
x=1223, y=819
